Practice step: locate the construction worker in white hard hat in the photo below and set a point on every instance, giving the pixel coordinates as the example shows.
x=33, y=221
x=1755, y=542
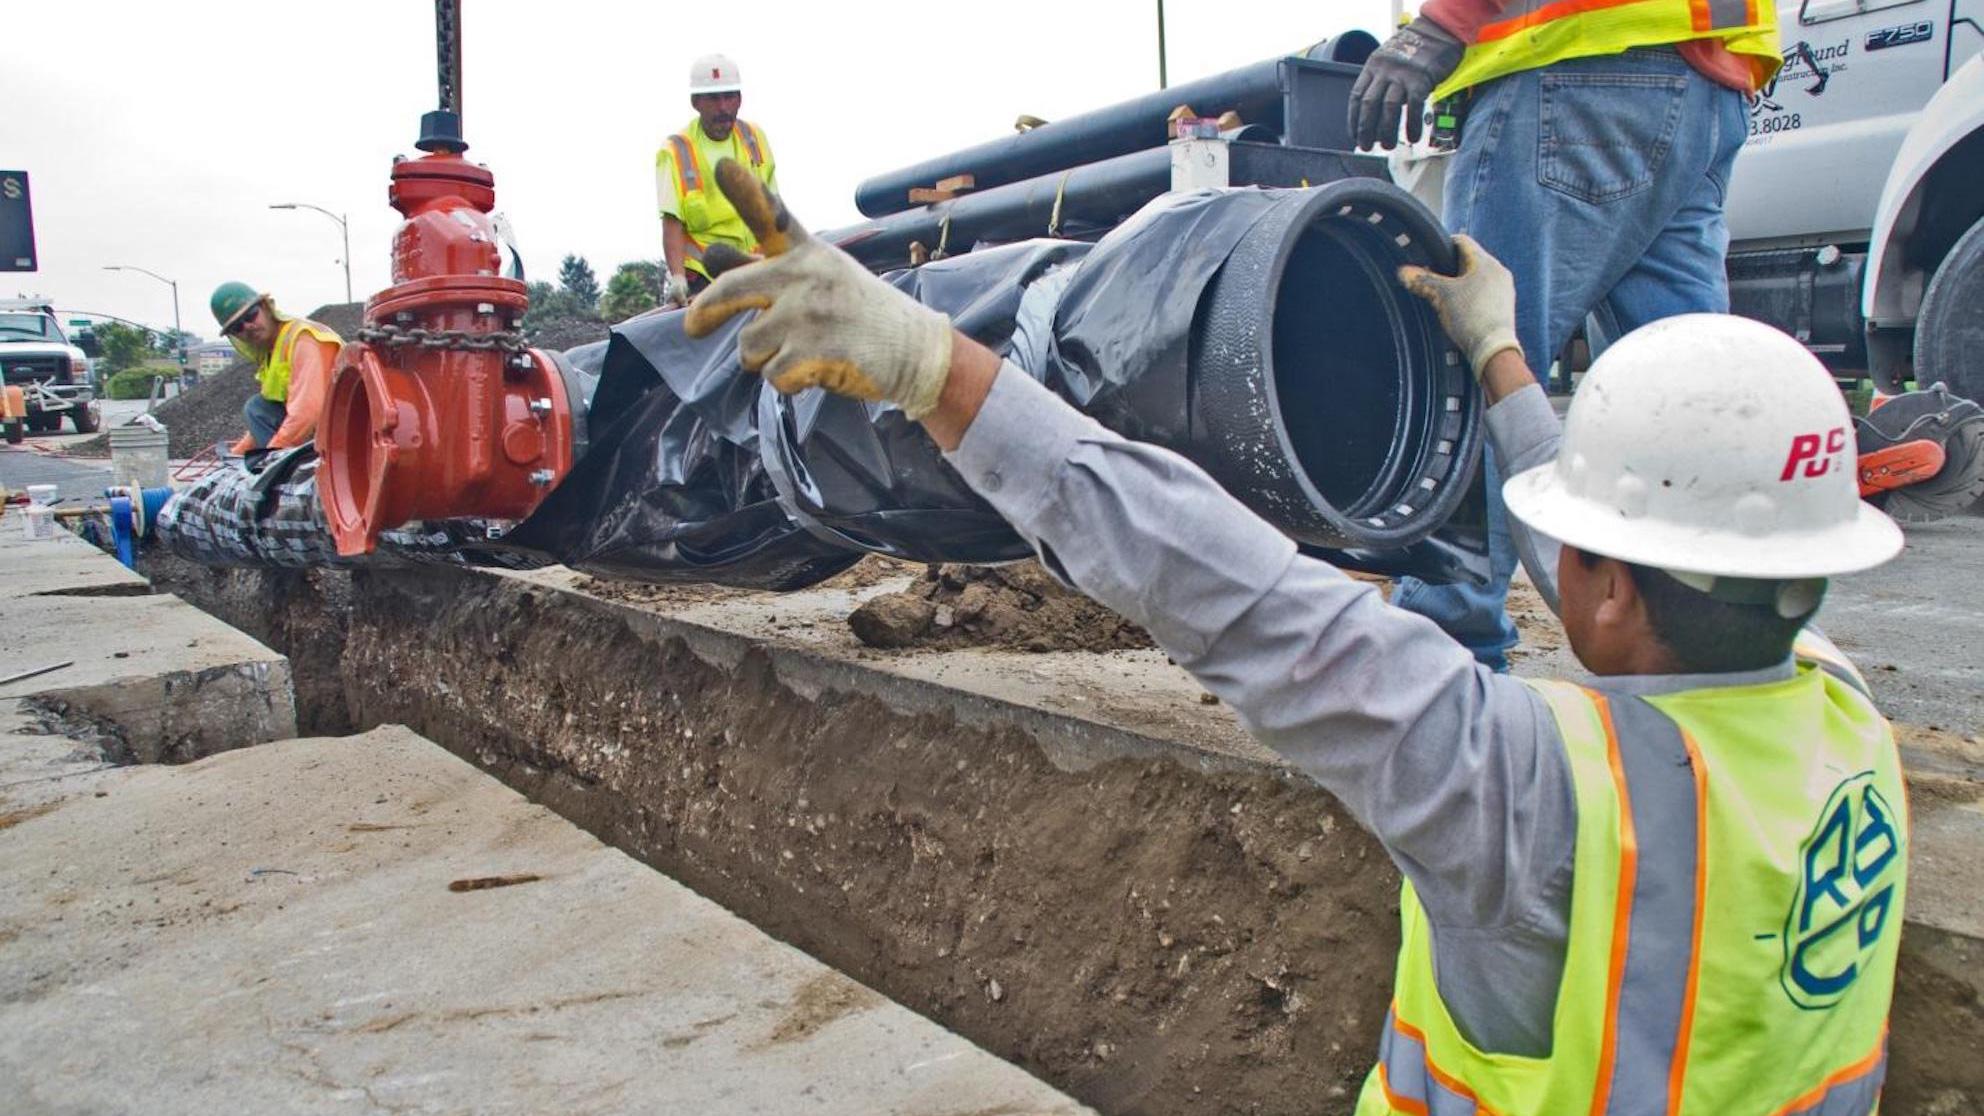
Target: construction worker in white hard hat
x=694, y=213
x=1674, y=888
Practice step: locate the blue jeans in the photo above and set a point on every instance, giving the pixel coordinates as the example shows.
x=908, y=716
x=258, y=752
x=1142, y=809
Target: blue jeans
x=1600, y=183
x=264, y=418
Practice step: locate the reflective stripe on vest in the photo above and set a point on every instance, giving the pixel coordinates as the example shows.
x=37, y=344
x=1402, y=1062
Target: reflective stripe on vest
x=1718, y=954
x=688, y=183
x=1535, y=33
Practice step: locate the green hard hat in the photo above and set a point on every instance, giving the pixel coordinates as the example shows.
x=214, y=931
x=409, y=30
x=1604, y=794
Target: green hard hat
x=230, y=301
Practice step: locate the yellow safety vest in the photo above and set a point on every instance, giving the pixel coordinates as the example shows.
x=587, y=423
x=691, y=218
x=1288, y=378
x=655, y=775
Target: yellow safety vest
x=707, y=216
x=1739, y=874
x=273, y=367
x=1534, y=33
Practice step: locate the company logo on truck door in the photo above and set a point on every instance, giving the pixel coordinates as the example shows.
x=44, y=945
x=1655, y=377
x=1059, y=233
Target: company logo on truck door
x=1849, y=867
x=1805, y=451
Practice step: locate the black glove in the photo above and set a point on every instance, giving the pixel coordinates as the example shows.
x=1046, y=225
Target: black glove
x=1397, y=78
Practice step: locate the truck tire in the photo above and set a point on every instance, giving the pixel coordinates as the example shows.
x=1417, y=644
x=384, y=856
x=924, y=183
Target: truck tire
x=84, y=416
x=1949, y=333
x=43, y=423
x=14, y=431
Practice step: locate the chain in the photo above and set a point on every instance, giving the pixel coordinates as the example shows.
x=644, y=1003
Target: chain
x=448, y=44
x=390, y=335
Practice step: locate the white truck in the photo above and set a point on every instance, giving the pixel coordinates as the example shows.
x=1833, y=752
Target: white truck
x=53, y=374
x=1856, y=210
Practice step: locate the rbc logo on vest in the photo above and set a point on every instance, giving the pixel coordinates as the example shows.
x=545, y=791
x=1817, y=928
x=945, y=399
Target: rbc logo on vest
x=1846, y=894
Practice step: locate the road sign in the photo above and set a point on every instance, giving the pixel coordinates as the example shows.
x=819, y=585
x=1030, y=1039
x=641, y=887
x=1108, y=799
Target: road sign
x=16, y=223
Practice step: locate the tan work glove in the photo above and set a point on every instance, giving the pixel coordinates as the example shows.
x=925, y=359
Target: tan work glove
x=824, y=321
x=1477, y=307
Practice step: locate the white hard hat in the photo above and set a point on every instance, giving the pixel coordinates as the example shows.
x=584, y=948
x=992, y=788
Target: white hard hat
x=715, y=73
x=1709, y=444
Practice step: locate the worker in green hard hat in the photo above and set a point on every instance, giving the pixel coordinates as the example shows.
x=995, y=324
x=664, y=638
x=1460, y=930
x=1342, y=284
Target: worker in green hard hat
x=293, y=358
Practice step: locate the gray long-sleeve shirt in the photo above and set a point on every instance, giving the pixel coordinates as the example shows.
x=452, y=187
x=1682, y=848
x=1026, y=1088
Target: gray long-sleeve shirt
x=1458, y=771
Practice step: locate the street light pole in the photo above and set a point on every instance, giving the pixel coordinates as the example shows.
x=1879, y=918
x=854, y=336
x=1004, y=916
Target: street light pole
x=178, y=334
x=343, y=224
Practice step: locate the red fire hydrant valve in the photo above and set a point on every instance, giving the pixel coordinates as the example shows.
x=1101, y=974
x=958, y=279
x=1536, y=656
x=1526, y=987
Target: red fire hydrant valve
x=438, y=411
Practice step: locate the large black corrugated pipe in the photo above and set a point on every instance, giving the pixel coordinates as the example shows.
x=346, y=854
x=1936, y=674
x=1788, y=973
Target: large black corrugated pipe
x=1323, y=393
x=1119, y=129
x=1261, y=333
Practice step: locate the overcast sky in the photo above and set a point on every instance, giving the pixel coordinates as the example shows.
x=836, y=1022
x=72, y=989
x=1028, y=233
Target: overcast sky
x=157, y=134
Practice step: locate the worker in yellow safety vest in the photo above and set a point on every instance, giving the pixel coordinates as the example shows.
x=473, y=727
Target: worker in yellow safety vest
x=1591, y=147
x=1673, y=888
x=293, y=359
x=694, y=213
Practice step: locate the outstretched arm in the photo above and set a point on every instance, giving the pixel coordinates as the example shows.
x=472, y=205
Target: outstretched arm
x=1454, y=768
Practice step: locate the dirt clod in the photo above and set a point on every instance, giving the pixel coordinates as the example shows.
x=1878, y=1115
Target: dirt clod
x=1017, y=606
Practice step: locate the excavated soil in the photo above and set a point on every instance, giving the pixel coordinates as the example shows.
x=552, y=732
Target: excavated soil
x=1149, y=935
x=559, y=334
x=1017, y=606
x=867, y=573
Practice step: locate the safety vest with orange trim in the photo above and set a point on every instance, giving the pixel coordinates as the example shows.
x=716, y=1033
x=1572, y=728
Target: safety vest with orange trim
x=707, y=216
x=273, y=368
x=1535, y=33
x=1740, y=869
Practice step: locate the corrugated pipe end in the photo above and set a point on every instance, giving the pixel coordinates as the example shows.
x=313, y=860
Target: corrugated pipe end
x=1325, y=395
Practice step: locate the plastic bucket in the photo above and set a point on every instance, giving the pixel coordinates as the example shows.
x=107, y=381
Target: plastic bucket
x=38, y=521
x=138, y=456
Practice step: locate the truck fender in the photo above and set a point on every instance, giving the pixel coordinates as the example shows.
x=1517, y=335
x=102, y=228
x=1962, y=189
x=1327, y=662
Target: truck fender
x=1894, y=285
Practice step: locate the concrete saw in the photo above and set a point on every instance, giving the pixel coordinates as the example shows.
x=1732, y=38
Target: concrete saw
x=1921, y=455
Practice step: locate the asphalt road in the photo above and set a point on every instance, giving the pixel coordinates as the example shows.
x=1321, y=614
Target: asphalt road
x=1916, y=626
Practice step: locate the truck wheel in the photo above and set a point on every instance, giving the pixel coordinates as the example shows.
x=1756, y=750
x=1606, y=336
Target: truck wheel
x=1949, y=333
x=42, y=424
x=15, y=431
x=84, y=416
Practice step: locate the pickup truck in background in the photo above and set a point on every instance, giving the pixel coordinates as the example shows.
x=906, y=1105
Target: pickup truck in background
x=53, y=375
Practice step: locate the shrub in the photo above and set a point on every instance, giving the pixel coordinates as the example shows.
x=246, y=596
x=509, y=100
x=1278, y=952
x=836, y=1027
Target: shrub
x=132, y=383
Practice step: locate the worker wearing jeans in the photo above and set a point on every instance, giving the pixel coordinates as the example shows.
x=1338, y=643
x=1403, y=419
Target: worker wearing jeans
x=1594, y=167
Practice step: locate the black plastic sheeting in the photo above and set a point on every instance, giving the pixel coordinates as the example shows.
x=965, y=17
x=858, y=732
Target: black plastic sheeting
x=698, y=472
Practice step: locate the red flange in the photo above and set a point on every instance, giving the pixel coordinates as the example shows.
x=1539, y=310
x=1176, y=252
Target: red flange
x=434, y=413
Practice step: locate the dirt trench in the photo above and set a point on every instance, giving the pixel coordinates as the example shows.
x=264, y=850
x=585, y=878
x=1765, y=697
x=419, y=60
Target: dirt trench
x=1152, y=938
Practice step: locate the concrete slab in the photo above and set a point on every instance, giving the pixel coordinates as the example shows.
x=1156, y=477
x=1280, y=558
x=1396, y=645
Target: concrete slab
x=278, y=929
x=158, y=678
x=63, y=564
x=166, y=681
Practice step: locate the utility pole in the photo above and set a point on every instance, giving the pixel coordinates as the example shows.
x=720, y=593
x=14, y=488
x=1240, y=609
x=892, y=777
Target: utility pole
x=178, y=334
x=343, y=224
x=1163, y=81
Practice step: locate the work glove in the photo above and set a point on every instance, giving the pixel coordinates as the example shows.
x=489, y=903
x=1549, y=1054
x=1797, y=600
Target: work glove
x=1477, y=307
x=823, y=319
x=675, y=290
x=1397, y=79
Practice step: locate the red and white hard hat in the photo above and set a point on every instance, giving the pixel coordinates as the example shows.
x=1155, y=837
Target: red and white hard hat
x=715, y=73
x=1709, y=444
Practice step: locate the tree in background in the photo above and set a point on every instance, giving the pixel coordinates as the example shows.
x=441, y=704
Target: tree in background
x=575, y=275
x=123, y=346
x=553, y=304
x=634, y=288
